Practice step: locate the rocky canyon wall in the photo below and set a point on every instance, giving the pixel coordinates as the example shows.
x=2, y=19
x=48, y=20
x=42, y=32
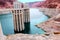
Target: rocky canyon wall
x=48, y=4
x=6, y=3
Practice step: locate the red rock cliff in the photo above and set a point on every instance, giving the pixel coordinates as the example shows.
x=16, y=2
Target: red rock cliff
x=48, y=4
x=6, y=3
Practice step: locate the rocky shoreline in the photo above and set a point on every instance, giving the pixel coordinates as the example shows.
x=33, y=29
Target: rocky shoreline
x=51, y=12
x=32, y=37
x=51, y=25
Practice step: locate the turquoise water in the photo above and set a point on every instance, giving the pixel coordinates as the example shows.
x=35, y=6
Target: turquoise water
x=35, y=18
x=7, y=24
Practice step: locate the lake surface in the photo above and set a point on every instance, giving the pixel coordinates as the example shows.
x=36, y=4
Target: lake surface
x=36, y=17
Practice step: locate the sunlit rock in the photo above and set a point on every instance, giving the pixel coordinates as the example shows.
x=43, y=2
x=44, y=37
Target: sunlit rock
x=47, y=4
x=51, y=25
x=6, y=3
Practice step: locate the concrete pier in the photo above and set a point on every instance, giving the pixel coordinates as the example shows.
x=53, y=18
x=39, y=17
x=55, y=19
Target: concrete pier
x=21, y=19
x=26, y=20
x=18, y=20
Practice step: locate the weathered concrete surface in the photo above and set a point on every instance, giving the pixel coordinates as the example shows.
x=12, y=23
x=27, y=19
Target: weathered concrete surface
x=33, y=37
x=2, y=37
x=52, y=25
x=25, y=37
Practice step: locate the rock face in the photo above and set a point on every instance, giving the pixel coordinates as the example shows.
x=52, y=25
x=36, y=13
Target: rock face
x=25, y=37
x=52, y=24
x=52, y=3
x=32, y=37
x=6, y=3
x=50, y=11
x=37, y=4
x=48, y=4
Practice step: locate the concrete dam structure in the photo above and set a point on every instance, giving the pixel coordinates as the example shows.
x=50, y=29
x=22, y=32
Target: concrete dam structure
x=21, y=17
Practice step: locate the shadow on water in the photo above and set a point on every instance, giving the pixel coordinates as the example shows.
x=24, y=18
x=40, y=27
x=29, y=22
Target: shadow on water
x=26, y=30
